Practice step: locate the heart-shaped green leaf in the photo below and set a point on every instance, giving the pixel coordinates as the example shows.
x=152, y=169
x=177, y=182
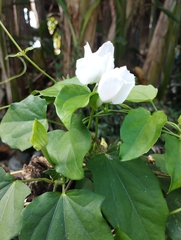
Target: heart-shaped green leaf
x=16, y=125
x=173, y=160
x=12, y=195
x=67, y=149
x=141, y=93
x=70, y=216
x=69, y=99
x=133, y=198
x=54, y=90
x=139, y=132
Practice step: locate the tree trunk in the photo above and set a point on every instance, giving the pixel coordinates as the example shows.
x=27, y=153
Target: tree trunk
x=158, y=63
x=75, y=34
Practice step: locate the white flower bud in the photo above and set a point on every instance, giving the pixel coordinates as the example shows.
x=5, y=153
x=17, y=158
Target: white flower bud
x=115, y=85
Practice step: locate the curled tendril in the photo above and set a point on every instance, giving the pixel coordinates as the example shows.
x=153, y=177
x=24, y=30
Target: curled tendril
x=18, y=75
x=23, y=53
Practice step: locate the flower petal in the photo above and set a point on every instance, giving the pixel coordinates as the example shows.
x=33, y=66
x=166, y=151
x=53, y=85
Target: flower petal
x=89, y=69
x=109, y=86
x=87, y=50
x=123, y=93
x=105, y=49
x=125, y=74
x=108, y=62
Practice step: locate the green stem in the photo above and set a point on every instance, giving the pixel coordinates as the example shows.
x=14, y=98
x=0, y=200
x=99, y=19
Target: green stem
x=90, y=119
x=23, y=53
x=174, y=126
x=37, y=179
x=152, y=103
x=55, y=186
x=63, y=189
x=7, y=106
x=106, y=107
x=96, y=129
x=18, y=75
x=104, y=113
x=175, y=211
x=171, y=133
x=167, y=129
x=38, y=68
x=57, y=123
x=125, y=106
x=11, y=38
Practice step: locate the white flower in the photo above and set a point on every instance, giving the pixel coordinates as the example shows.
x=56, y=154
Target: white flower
x=91, y=68
x=115, y=85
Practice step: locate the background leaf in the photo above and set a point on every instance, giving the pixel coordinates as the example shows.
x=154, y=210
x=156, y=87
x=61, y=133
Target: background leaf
x=67, y=149
x=16, y=125
x=121, y=235
x=173, y=160
x=139, y=132
x=133, y=198
x=6, y=180
x=141, y=93
x=174, y=221
x=12, y=195
x=167, y=12
x=69, y=99
x=160, y=162
x=70, y=216
x=179, y=121
x=84, y=183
